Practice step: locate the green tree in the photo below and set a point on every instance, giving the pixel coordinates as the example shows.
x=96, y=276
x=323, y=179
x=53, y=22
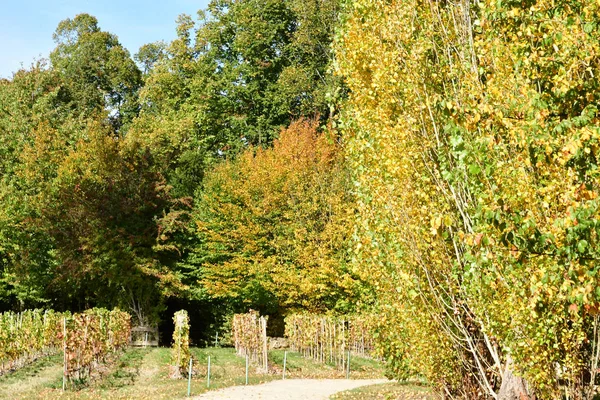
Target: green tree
x=81, y=210
x=234, y=79
x=31, y=98
x=149, y=54
x=101, y=208
x=97, y=69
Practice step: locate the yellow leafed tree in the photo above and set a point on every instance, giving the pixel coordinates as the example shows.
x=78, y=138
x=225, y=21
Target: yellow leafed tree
x=274, y=224
x=472, y=131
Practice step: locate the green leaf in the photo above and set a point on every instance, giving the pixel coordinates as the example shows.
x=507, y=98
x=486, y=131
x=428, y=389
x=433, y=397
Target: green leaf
x=474, y=169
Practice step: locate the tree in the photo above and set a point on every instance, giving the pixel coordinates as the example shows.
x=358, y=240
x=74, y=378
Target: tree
x=149, y=54
x=31, y=99
x=97, y=69
x=82, y=207
x=472, y=134
x=273, y=226
x=250, y=68
x=101, y=209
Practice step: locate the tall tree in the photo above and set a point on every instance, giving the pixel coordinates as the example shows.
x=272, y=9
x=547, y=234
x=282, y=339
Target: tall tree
x=246, y=71
x=97, y=69
x=273, y=226
x=31, y=99
x=473, y=135
x=82, y=210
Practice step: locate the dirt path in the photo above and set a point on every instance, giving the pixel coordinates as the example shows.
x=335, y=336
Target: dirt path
x=289, y=389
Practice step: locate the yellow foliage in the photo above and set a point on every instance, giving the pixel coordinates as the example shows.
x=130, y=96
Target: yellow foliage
x=472, y=131
x=276, y=221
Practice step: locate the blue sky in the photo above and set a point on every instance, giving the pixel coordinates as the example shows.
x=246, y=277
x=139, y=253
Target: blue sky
x=26, y=26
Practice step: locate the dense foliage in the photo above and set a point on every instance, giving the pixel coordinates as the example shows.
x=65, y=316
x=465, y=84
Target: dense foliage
x=235, y=77
x=274, y=223
x=80, y=209
x=471, y=130
x=102, y=161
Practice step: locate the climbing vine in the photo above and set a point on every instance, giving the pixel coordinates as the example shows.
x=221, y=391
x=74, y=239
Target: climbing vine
x=180, y=351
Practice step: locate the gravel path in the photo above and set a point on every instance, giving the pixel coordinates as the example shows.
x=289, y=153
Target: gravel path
x=289, y=389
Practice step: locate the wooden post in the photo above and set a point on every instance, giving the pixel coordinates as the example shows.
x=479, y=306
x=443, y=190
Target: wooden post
x=190, y=378
x=208, y=374
x=64, y=382
x=263, y=323
x=348, y=367
x=246, y=369
x=284, y=362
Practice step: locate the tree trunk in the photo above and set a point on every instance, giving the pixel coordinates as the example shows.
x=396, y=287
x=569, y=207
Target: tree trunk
x=513, y=387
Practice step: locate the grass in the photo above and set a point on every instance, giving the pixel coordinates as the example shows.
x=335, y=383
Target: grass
x=300, y=367
x=31, y=379
x=387, y=391
x=126, y=371
x=144, y=373
x=227, y=369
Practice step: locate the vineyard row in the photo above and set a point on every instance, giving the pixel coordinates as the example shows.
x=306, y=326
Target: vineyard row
x=86, y=339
